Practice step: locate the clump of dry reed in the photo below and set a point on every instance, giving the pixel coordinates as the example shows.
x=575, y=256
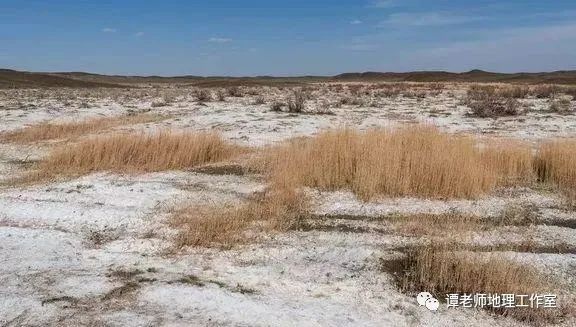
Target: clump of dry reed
x=139, y=152
x=51, y=131
x=440, y=270
x=555, y=163
x=416, y=161
x=275, y=209
x=511, y=160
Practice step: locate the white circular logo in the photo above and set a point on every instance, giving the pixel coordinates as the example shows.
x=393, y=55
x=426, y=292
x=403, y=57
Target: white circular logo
x=432, y=304
x=422, y=297
x=426, y=299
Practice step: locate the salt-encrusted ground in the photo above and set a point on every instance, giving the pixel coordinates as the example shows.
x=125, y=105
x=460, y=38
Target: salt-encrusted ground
x=95, y=250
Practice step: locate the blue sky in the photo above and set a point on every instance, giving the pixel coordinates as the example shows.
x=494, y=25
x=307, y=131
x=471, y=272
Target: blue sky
x=297, y=37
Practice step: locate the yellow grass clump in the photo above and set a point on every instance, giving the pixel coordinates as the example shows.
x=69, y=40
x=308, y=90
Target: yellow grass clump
x=275, y=209
x=511, y=160
x=52, y=131
x=556, y=163
x=441, y=271
x=139, y=152
x=411, y=161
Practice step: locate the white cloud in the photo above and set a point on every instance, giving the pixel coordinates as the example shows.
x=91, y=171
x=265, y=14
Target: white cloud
x=356, y=22
x=109, y=30
x=428, y=19
x=543, y=48
x=219, y=40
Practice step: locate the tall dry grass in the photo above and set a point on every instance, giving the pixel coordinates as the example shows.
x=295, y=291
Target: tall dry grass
x=441, y=271
x=52, y=131
x=275, y=209
x=412, y=161
x=511, y=160
x=139, y=152
x=556, y=163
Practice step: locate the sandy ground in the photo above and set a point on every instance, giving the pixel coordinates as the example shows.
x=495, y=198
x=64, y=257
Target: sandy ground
x=94, y=251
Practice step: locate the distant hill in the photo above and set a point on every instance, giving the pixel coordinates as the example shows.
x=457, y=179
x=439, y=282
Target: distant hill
x=200, y=81
x=558, y=77
x=17, y=79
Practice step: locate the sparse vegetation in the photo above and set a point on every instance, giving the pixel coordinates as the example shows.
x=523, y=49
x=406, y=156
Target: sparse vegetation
x=420, y=161
x=554, y=164
x=221, y=95
x=164, y=101
x=561, y=104
x=352, y=100
x=441, y=271
x=276, y=209
x=138, y=152
x=235, y=91
x=323, y=109
x=511, y=160
x=296, y=102
x=517, y=215
x=514, y=91
x=451, y=223
x=260, y=100
x=203, y=95
x=239, y=195
x=545, y=91
x=487, y=102
x=99, y=237
x=52, y=131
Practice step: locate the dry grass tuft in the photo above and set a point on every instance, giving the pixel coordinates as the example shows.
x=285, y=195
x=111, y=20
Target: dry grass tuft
x=511, y=160
x=554, y=164
x=139, y=152
x=235, y=91
x=221, y=95
x=297, y=101
x=441, y=271
x=416, y=161
x=49, y=131
x=276, y=209
x=489, y=102
x=561, y=104
x=203, y=95
x=546, y=91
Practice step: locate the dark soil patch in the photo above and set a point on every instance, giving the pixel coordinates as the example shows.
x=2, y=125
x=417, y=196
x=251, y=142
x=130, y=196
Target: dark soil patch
x=122, y=291
x=347, y=217
x=568, y=223
x=339, y=228
x=231, y=169
x=68, y=299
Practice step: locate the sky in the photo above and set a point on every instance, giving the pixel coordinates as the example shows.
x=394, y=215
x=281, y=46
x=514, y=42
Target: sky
x=286, y=38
